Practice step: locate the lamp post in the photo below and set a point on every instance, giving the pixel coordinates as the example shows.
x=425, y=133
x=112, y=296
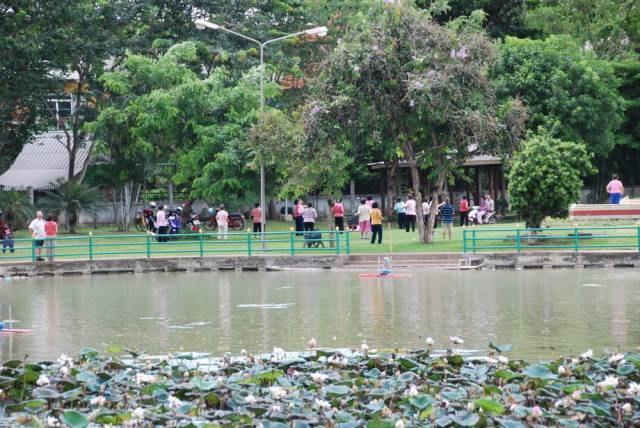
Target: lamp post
x=202, y=24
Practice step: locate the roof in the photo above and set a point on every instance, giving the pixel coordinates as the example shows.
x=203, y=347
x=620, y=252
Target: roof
x=476, y=160
x=42, y=162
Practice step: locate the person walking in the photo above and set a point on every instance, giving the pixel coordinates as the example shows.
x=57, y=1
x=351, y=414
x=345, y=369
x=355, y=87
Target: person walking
x=309, y=216
x=338, y=213
x=298, y=208
x=36, y=227
x=446, y=212
x=162, y=223
x=256, y=215
x=364, y=218
x=222, y=218
x=615, y=189
x=51, y=232
x=401, y=210
x=463, y=209
x=410, y=218
x=376, y=223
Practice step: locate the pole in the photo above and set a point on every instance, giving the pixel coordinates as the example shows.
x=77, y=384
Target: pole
x=263, y=217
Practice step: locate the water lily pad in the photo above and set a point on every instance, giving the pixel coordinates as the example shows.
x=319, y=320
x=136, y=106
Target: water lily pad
x=74, y=419
x=203, y=385
x=465, y=419
x=421, y=401
x=490, y=406
x=510, y=423
x=539, y=371
x=336, y=390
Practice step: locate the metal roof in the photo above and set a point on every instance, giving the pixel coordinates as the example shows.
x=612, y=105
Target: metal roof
x=42, y=162
x=476, y=160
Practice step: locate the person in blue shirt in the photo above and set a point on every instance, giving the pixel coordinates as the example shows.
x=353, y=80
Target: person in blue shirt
x=446, y=213
x=400, y=209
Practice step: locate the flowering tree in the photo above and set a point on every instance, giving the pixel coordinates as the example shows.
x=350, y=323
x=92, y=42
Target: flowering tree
x=410, y=88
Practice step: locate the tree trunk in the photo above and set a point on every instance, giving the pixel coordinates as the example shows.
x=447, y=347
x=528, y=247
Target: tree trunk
x=391, y=187
x=415, y=183
x=352, y=195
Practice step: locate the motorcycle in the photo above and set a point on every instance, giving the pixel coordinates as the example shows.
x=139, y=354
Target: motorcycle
x=175, y=224
x=193, y=224
x=488, y=218
x=236, y=221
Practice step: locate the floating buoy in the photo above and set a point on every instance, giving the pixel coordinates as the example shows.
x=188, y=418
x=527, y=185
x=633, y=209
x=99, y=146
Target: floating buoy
x=1, y=325
x=380, y=275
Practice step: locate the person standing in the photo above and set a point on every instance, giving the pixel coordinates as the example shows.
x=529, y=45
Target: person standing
x=162, y=223
x=36, y=227
x=256, y=214
x=309, y=216
x=615, y=189
x=410, y=218
x=364, y=218
x=7, y=240
x=51, y=232
x=482, y=210
x=401, y=210
x=222, y=218
x=338, y=213
x=463, y=209
x=297, y=216
x=376, y=223
x=426, y=208
x=446, y=212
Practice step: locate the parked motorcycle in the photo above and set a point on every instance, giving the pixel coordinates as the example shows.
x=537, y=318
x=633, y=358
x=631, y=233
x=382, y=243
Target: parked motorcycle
x=236, y=221
x=488, y=218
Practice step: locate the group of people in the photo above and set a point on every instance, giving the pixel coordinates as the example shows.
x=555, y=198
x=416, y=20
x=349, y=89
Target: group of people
x=44, y=234
x=370, y=220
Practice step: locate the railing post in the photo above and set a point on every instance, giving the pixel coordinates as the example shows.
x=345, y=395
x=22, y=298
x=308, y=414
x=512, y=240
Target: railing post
x=201, y=243
x=91, y=246
x=348, y=242
x=33, y=250
x=473, y=237
x=464, y=241
x=292, y=242
x=148, y=246
x=518, y=242
x=576, y=240
x=638, y=238
x=338, y=243
x=248, y=244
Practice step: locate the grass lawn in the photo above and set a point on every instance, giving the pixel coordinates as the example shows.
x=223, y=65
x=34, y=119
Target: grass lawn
x=108, y=243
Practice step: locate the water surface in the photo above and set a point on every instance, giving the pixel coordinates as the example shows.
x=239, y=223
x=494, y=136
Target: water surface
x=542, y=313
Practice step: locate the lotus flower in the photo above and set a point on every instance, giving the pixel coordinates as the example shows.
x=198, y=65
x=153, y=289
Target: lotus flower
x=98, y=401
x=277, y=392
x=52, y=421
x=145, y=378
x=430, y=341
x=536, y=412
x=634, y=389
x=503, y=360
x=364, y=347
x=609, y=382
x=43, y=380
x=65, y=360
x=138, y=413
x=627, y=408
x=323, y=404
x=471, y=406
x=587, y=355
x=318, y=377
x=243, y=352
x=615, y=358
x=250, y=399
x=456, y=340
x=412, y=391
x=64, y=370
x=561, y=370
x=399, y=423
x=576, y=395
x=312, y=343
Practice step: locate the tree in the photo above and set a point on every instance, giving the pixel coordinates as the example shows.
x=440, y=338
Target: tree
x=16, y=208
x=419, y=90
x=564, y=89
x=71, y=198
x=546, y=177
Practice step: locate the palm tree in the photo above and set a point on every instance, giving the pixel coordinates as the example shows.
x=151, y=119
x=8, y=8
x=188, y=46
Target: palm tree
x=16, y=207
x=71, y=198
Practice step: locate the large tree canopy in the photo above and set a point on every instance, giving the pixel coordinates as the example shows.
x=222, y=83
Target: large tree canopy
x=563, y=89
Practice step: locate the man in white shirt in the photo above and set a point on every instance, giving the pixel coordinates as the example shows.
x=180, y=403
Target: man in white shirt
x=222, y=218
x=36, y=227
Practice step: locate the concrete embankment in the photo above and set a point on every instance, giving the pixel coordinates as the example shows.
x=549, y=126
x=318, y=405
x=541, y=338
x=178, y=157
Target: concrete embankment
x=354, y=262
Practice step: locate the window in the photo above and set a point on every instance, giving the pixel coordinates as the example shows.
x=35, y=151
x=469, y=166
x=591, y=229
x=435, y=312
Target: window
x=60, y=110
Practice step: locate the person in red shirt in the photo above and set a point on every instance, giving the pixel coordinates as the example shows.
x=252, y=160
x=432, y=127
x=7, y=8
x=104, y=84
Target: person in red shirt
x=256, y=214
x=463, y=208
x=338, y=213
x=51, y=232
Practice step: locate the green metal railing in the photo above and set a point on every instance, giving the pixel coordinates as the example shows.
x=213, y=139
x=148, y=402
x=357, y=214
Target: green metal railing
x=575, y=239
x=94, y=247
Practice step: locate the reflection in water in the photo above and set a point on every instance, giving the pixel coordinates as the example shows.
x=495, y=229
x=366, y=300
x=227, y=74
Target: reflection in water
x=543, y=313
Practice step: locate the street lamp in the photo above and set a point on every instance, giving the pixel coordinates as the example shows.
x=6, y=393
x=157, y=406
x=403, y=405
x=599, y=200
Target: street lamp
x=202, y=24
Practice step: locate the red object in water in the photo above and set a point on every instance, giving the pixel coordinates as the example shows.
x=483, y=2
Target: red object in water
x=15, y=330
x=379, y=275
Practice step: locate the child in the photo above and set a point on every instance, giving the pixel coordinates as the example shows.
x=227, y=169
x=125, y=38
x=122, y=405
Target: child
x=7, y=241
x=446, y=211
x=364, y=218
x=376, y=223
x=51, y=232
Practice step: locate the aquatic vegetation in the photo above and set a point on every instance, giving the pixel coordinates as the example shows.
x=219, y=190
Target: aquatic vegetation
x=322, y=387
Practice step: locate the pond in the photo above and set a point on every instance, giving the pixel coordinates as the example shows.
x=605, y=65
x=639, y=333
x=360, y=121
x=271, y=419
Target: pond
x=542, y=313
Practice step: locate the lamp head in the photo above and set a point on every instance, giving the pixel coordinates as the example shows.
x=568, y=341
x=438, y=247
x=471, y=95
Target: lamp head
x=201, y=24
x=317, y=31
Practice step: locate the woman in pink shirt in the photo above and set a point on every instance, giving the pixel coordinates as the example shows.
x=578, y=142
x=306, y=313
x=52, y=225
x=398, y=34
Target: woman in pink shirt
x=615, y=190
x=51, y=232
x=410, y=215
x=256, y=213
x=162, y=223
